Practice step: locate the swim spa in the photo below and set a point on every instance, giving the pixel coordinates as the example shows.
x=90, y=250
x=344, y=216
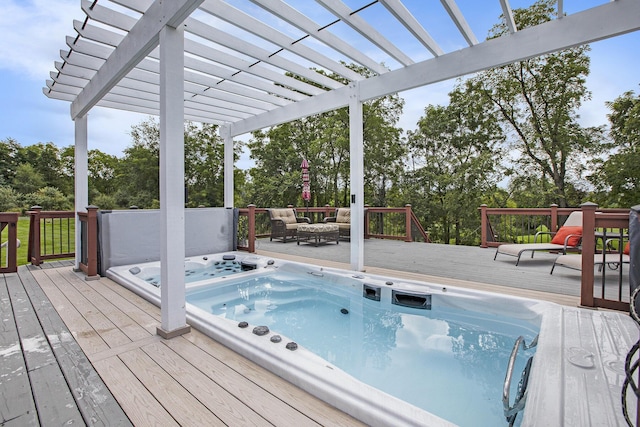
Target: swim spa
x=330, y=300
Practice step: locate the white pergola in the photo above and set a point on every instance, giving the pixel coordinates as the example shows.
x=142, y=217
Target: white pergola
x=231, y=63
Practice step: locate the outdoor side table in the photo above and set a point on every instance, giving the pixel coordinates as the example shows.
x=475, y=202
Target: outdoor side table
x=318, y=233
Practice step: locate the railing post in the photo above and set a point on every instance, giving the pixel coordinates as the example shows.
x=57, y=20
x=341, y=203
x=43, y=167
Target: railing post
x=554, y=217
x=33, y=250
x=588, y=252
x=251, y=221
x=483, y=226
x=10, y=220
x=407, y=216
x=366, y=222
x=92, y=243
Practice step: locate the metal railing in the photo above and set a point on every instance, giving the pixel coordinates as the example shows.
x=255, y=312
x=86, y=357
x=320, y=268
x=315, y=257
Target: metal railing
x=51, y=235
x=511, y=411
x=598, y=226
x=9, y=242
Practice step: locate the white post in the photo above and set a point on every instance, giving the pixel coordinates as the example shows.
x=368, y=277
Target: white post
x=356, y=173
x=81, y=178
x=172, y=241
x=225, y=133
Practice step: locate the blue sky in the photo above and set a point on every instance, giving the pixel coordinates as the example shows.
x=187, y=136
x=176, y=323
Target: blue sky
x=33, y=33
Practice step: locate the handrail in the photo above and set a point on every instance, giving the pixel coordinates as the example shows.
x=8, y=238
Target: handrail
x=37, y=250
x=511, y=411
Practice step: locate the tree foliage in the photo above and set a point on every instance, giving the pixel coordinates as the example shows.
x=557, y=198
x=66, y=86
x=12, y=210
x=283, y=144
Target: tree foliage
x=538, y=100
x=456, y=161
x=617, y=179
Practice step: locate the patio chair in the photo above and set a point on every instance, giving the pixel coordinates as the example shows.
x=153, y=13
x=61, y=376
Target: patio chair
x=342, y=218
x=611, y=259
x=567, y=238
x=284, y=223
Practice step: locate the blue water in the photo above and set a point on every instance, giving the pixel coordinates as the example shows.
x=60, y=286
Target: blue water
x=448, y=361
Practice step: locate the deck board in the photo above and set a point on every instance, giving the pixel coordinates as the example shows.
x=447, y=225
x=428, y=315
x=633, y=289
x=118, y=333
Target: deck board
x=184, y=407
x=121, y=320
x=62, y=385
x=134, y=398
x=53, y=399
x=203, y=387
x=17, y=406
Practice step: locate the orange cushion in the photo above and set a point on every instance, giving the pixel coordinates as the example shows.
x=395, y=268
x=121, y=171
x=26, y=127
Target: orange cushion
x=627, y=248
x=564, y=231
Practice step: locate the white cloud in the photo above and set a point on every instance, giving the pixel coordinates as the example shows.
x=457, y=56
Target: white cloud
x=33, y=33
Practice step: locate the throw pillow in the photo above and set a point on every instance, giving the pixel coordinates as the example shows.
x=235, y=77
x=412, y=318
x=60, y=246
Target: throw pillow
x=566, y=230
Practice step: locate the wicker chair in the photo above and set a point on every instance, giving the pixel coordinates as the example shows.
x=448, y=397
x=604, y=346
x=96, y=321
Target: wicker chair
x=284, y=223
x=343, y=220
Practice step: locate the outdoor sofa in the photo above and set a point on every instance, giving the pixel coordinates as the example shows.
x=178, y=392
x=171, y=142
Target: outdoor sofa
x=284, y=223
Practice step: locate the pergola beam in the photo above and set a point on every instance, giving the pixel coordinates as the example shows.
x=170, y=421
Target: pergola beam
x=142, y=39
x=609, y=20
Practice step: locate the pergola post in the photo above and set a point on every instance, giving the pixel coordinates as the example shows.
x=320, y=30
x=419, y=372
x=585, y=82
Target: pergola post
x=225, y=133
x=172, y=241
x=356, y=174
x=81, y=178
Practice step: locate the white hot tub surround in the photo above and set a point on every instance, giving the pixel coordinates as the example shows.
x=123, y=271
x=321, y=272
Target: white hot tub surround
x=576, y=376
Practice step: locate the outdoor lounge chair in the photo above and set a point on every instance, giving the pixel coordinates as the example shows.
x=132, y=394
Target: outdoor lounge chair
x=611, y=259
x=343, y=220
x=574, y=261
x=568, y=237
x=284, y=223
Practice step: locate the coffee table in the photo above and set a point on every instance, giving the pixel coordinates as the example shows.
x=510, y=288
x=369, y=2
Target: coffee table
x=317, y=233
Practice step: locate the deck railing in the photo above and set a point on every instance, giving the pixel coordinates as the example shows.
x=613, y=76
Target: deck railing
x=51, y=235
x=514, y=225
x=380, y=223
x=603, y=226
x=8, y=242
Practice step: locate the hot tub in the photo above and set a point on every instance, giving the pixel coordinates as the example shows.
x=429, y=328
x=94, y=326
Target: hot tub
x=477, y=334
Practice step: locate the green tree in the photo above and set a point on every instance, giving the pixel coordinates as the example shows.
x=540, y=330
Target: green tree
x=46, y=159
x=204, y=165
x=456, y=162
x=537, y=99
x=50, y=198
x=138, y=175
x=617, y=179
x=102, y=172
x=9, y=199
x=9, y=160
x=27, y=179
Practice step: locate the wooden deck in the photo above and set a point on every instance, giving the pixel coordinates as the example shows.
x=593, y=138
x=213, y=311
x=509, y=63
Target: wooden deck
x=86, y=352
